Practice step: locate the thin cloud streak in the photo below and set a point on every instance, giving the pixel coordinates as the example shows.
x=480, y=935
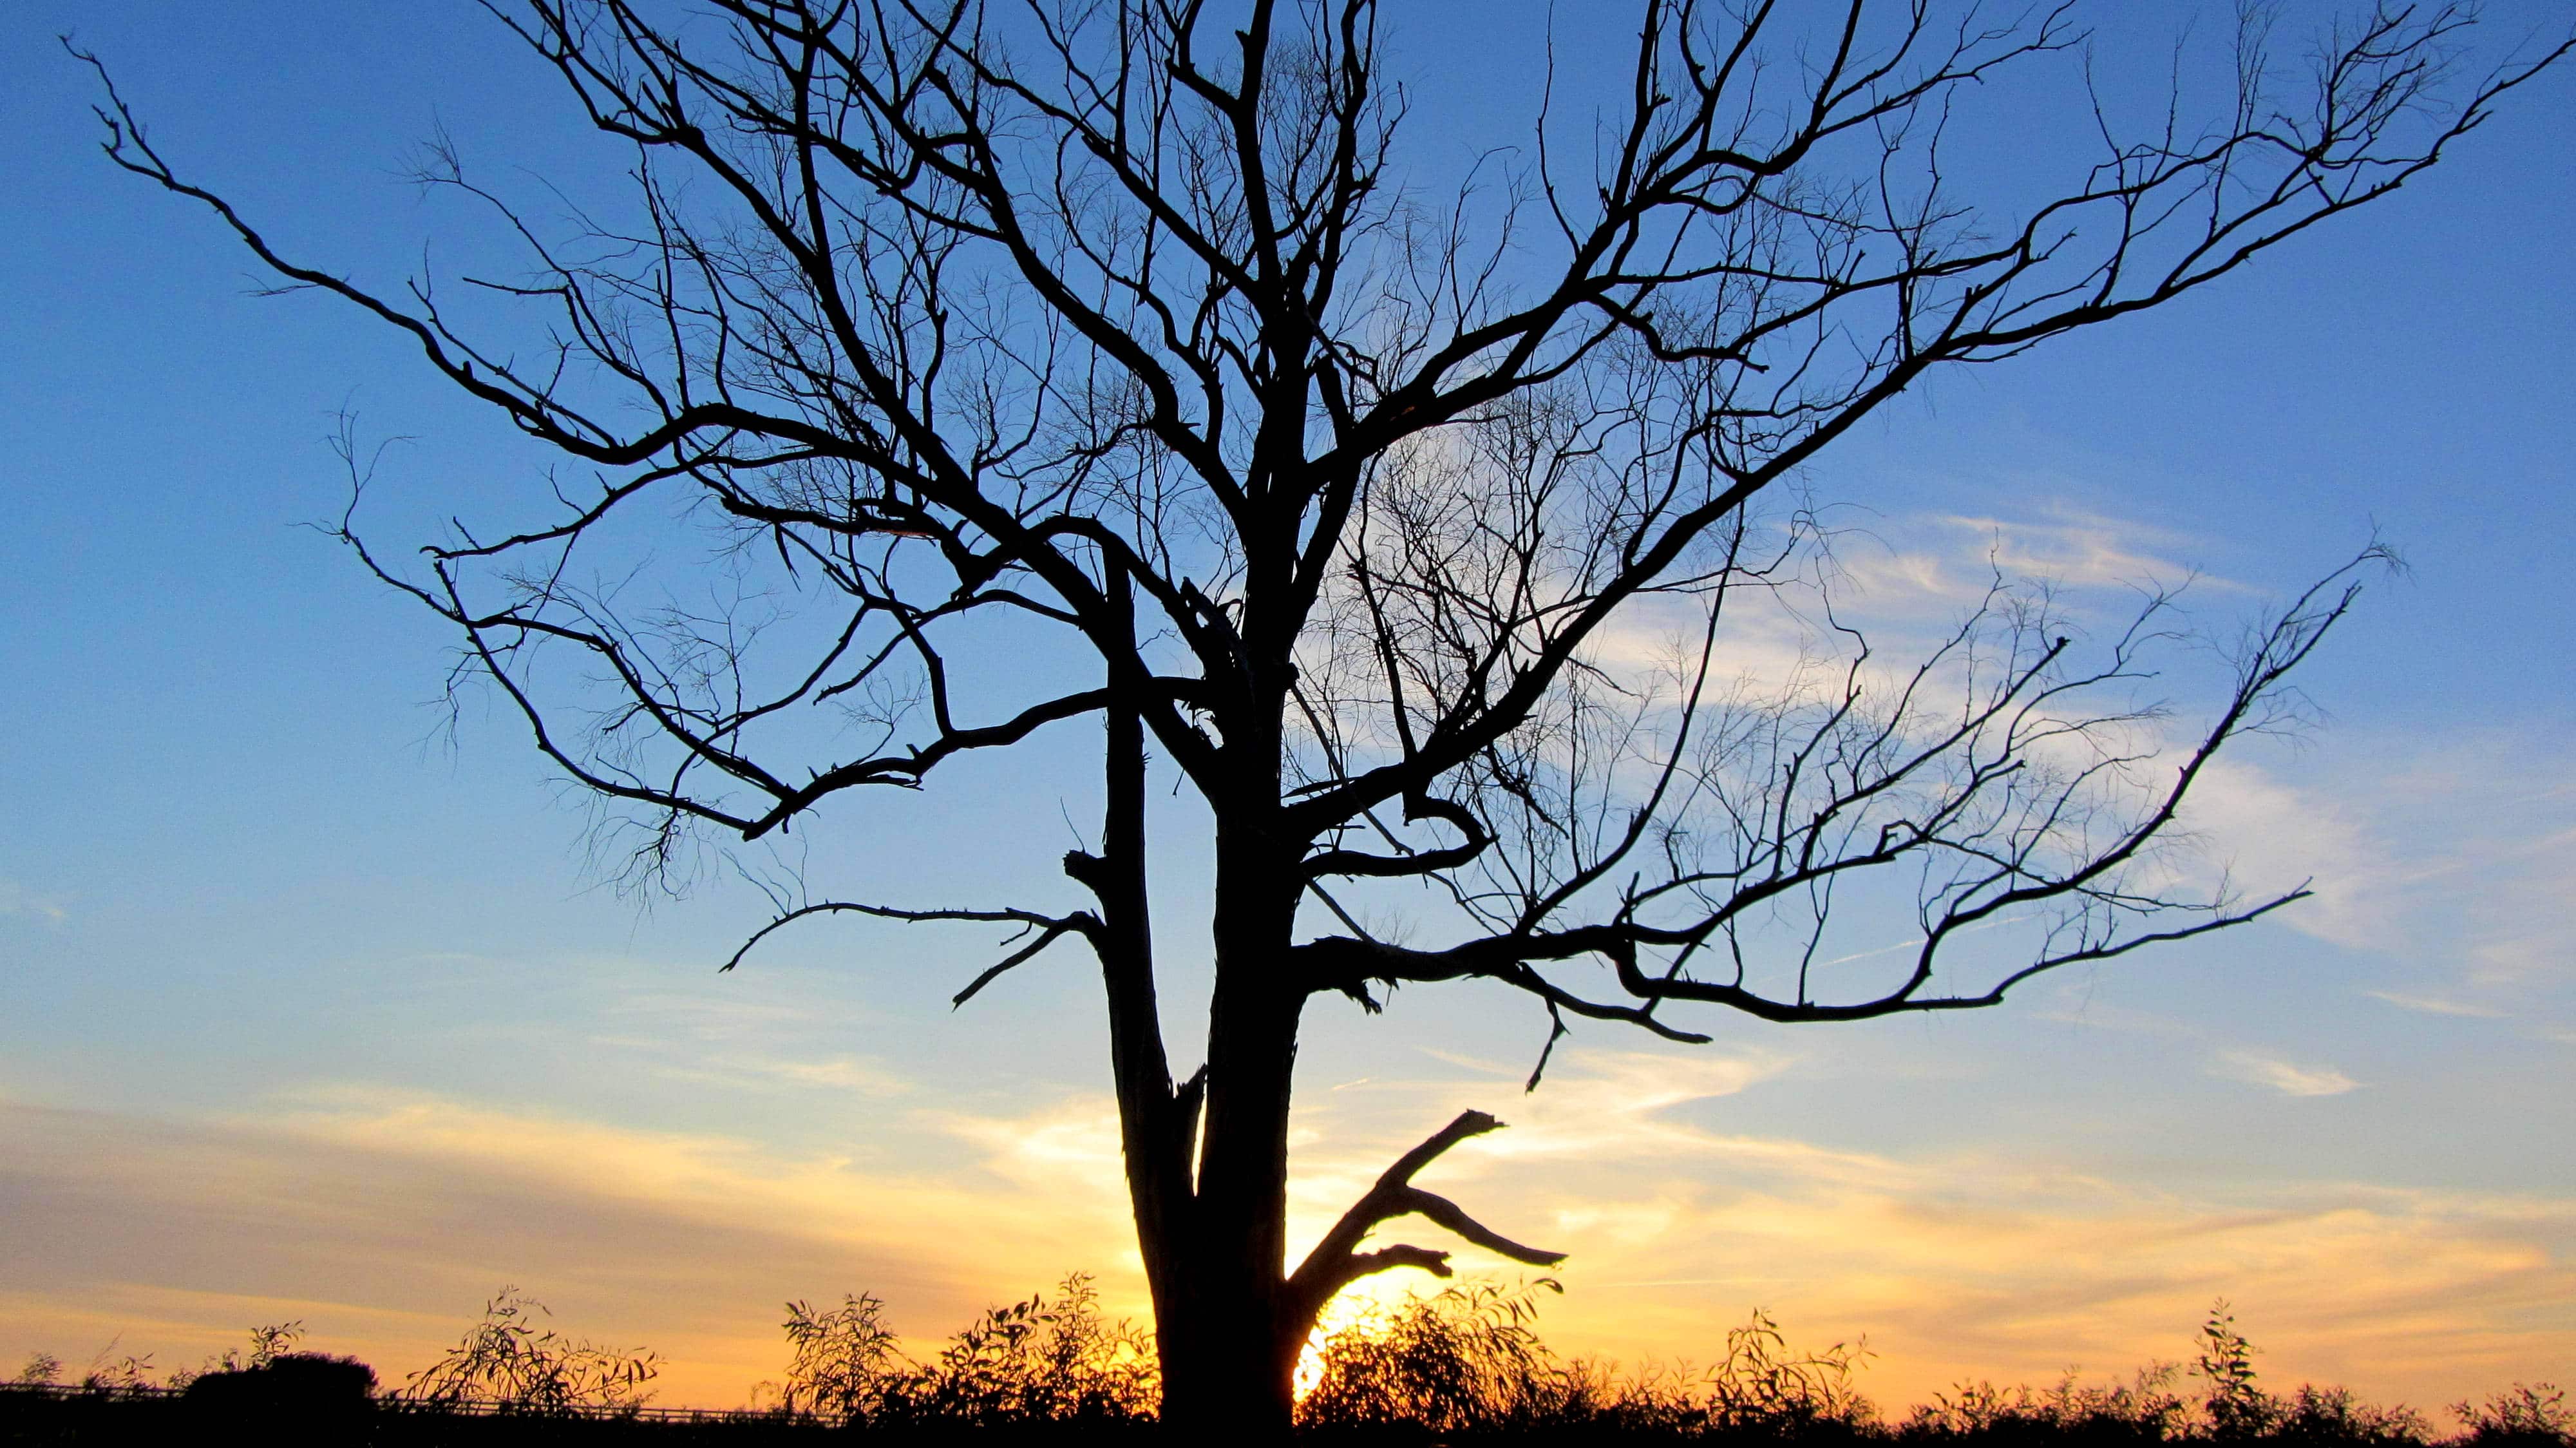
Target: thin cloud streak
x=2283, y=1076
x=19, y=901
x=2433, y=1005
x=2052, y=541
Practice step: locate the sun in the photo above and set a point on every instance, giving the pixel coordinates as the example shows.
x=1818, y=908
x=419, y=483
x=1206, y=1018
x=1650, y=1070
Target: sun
x=1357, y=1307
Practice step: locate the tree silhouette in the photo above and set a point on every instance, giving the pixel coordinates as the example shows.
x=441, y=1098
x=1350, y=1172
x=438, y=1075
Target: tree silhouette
x=1114, y=330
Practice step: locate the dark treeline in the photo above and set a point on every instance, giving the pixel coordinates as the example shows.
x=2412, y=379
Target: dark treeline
x=1466, y=1365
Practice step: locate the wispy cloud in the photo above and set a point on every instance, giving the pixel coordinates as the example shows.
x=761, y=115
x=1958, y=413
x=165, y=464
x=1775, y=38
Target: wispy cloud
x=1906, y=585
x=2433, y=1005
x=2084, y=549
x=2273, y=835
x=2528, y=956
x=2283, y=1076
x=2453, y=856
x=1949, y=559
x=851, y=1075
x=19, y=901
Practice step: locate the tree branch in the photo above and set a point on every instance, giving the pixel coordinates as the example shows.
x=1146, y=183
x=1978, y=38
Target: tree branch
x=1336, y=1262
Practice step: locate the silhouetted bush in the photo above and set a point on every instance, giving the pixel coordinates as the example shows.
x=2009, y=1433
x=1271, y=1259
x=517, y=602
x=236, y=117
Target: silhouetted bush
x=1044, y=1360
x=507, y=1361
x=1462, y=1366
x=1466, y=1358
x=303, y=1391
x=1468, y=1363
x=267, y=1344
x=2232, y=1409
x=2142, y=1411
x=2526, y=1415
x=2334, y=1418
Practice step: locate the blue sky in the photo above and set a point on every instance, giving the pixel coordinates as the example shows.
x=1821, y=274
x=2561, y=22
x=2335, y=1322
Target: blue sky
x=306, y=1011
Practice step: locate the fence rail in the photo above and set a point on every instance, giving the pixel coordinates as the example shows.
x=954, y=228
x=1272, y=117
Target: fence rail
x=391, y=1403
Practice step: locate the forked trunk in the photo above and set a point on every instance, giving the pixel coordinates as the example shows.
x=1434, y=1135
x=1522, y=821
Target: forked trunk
x=1212, y=1231
x=1226, y=1356
x=1229, y=1339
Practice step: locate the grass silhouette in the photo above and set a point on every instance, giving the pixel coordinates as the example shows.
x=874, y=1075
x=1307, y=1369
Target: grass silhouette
x=1465, y=1365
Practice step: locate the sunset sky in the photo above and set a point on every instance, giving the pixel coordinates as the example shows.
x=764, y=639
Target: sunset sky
x=308, y=1011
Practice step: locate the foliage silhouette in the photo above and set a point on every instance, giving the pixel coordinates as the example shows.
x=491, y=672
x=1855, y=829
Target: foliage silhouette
x=309, y=1394
x=2236, y=1407
x=121, y=1373
x=1464, y=1365
x=268, y=1342
x=508, y=1360
x=2323, y=1416
x=843, y=1361
x=2144, y=1410
x=1039, y=1360
x=2526, y=1415
x=1468, y=1361
x=1469, y=1356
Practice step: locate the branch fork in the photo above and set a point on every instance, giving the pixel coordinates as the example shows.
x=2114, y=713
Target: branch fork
x=1336, y=1262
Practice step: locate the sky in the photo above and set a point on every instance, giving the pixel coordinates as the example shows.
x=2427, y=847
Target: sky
x=312, y=1009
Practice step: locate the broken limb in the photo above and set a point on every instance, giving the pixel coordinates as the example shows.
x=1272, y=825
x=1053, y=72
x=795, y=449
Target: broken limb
x=1336, y=1262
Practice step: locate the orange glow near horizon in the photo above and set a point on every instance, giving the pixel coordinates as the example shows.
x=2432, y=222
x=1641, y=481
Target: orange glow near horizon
x=1354, y=1308
x=374, y=1222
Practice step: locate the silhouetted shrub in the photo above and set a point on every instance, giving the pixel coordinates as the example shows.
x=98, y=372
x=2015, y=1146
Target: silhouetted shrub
x=1462, y=1366
x=2526, y=1415
x=2144, y=1410
x=1763, y=1386
x=124, y=1374
x=267, y=1344
x=506, y=1360
x=1467, y=1357
x=1468, y=1362
x=2235, y=1409
x=843, y=1361
x=305, y=1391
x=1041, y=1361
x=2334, y=1418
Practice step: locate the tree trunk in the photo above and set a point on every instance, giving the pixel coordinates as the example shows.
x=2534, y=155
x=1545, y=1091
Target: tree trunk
x=1214, y=1252
x=1230, y=1353
x=1156, y=1123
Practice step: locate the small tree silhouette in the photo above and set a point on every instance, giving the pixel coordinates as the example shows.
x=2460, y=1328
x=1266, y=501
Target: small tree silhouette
x=845, y=1360
x=507, y=1360
x=1040, y=1360
x=1466, y=1357
x=1763, y=1383
x=124, y=1374
x=268, y=1343
x=2526, y=1415
x=2237, y=1407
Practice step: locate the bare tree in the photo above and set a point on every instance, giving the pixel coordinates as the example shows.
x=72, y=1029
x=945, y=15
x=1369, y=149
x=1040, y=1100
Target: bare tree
x=1112, y=330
